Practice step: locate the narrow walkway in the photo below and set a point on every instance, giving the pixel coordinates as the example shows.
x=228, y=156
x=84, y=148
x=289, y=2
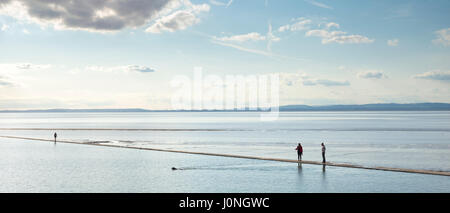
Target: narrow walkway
x=428, y=172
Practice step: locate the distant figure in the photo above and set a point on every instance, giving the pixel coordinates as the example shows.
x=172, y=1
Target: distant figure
x=299, y=151
x=323, y=153
x=55, y=135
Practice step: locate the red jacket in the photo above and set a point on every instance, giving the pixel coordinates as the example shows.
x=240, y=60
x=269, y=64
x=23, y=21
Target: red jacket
x=299, y=149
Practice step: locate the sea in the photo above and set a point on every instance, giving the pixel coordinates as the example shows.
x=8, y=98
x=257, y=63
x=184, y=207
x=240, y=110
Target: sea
x=398, y=139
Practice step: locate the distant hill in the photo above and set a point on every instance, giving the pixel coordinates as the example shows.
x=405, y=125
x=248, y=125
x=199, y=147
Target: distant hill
x=79, y=110
x=371, y=107
x=363, y=107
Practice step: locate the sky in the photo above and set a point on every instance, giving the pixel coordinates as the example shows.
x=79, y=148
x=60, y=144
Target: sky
x=126, y=54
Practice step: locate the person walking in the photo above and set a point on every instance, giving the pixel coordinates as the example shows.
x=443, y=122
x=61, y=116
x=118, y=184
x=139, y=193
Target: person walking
x=299, y=151
x=323, y=153
x=55, y=135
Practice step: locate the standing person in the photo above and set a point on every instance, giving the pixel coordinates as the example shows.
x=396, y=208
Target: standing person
x=55, y=135
x=299, y=151
x=323, y=153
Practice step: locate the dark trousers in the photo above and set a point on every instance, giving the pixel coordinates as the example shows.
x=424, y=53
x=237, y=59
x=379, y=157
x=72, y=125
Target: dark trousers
x=323, y=157
x=299, y=155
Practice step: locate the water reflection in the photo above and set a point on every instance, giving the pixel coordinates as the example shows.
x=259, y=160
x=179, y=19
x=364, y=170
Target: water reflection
x=300, y=170
x=324, y=178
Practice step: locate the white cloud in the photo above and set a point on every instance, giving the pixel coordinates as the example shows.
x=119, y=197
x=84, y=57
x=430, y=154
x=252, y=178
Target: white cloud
x=271, y=38
x=24, y=66
x=97, y=16
x=244, y=37
x=292, y=79
x=393, y=42
x=284, y=28
x=229, y=3
x=318, y=4
x=142, y=69
x=217, y=3
x=254, y=51
x=338, y=37
x=126, y=68
x=325, y=82
x=324, y=32
x=178, y=20
x=4, y=82
x=298, y=25
x=332, y=24
x=435, y=75
x=259, y=52
x=220, y=3
x=372, y=74
x=443, y=37
x=28, y=66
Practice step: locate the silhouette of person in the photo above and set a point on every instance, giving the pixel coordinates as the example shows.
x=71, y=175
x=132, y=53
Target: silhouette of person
x=55, y=135
x=299, y=151
x=323, y=153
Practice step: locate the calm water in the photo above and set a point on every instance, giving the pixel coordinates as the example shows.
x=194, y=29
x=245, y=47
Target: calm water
x=32, y=166
x=417, y=140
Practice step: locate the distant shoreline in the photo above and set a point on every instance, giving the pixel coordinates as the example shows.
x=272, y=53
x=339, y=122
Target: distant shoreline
x=287, y=108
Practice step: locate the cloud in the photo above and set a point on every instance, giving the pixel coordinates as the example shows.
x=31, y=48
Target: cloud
x=259, y=52
x=127, y=68
x=318, y=4
x=4, y=82
x=325, y=82
x=24, y=66
x=254, y=51
x=284, y=28
x=217, y=3
x=93, y=15
x=372, y=74
x=339, y=37
x=435, y=75
x=220, y=3
x=228, y=41
x=291, y=79
x=323, y=31
x=28, y=66
x=332, y=24
x=271, y=38
x=229, y=3
x=142, y=69
x=178, y=20
x=244, y=37
x=393, y=42
x=298, y=25
x=443, y=37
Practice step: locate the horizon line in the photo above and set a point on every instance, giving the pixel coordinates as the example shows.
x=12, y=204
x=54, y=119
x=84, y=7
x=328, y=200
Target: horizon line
x=293, y=106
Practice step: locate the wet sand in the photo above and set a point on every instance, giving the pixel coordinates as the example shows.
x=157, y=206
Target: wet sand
x=429, y=172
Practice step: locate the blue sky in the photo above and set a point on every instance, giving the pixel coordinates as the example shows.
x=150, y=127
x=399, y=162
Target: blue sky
x=125, y=53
